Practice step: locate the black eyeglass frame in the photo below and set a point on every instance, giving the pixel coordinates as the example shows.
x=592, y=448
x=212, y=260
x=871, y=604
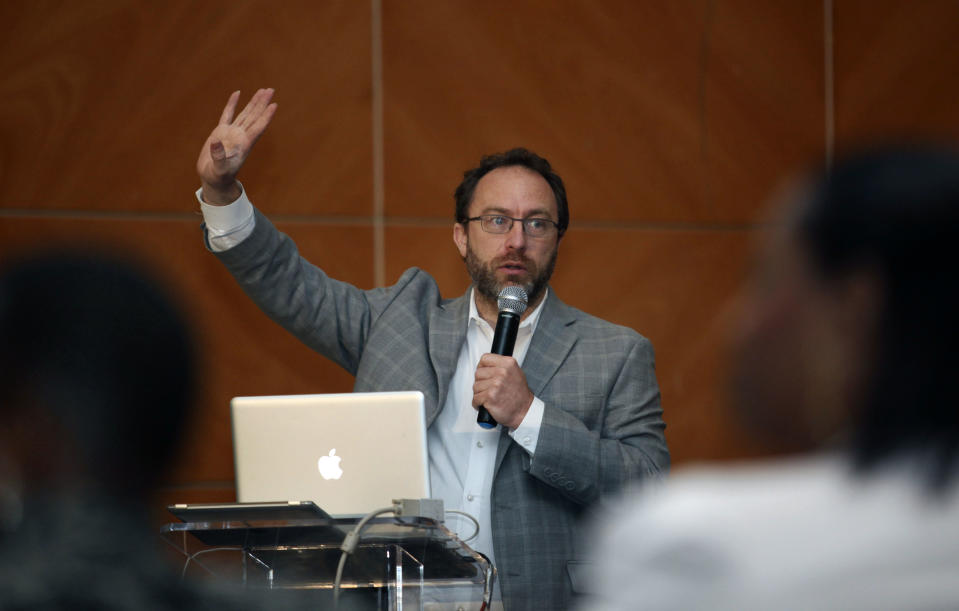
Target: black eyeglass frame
x=482, y=218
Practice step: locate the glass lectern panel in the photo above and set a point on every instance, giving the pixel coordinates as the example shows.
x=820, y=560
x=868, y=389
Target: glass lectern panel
x=401, y=563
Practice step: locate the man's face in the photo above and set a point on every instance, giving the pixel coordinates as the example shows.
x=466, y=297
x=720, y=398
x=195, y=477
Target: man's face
x=514, y=258
x=773, y=345
x=801, y=348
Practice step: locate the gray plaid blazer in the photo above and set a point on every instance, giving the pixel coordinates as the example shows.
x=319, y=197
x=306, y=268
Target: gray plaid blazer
x=602, y=427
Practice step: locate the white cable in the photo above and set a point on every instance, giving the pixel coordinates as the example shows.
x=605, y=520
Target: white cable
x=475, y=522
x=349, y=545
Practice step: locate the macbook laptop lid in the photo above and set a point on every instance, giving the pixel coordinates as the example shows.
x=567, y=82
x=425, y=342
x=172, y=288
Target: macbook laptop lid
x=349, y=453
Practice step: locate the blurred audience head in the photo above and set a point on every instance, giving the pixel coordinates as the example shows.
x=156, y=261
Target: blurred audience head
x=96, y=374
x=849, y=334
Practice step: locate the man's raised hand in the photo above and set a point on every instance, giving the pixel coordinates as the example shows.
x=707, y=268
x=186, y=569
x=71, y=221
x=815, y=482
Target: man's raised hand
x=230, y=143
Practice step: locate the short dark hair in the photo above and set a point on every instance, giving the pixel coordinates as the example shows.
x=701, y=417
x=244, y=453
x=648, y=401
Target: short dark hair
x=896, y=211
x=514, y=157
x=98, y=346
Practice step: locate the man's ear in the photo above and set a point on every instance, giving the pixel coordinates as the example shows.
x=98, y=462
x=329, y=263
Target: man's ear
x=460, y=238
x=860, y=297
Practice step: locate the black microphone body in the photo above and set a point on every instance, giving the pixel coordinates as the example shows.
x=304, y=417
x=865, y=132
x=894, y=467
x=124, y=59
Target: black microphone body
x=504, y=338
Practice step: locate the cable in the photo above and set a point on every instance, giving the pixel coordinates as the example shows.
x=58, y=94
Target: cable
x=339, y=578
x=349, y=545
x=475, y=522
x=431, y=509
x=205, y=551
x=488, y=582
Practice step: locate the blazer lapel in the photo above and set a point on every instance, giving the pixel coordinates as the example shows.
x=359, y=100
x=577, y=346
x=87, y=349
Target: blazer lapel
x=550, y=344
x=447, y=332
x=552, y=341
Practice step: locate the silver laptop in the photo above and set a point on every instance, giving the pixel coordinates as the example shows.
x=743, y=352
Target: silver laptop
x=348, y=453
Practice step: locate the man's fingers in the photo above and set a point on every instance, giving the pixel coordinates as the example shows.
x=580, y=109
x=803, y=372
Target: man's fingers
x=254, y=108
x=261, y=122
x=479, y=398
x=240, y=118
x=491, y=367
x=495, y=360
x=260, y=101
x=486, y=390
x=230, y=107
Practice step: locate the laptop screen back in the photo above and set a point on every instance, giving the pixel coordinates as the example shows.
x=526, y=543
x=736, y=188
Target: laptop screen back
x=349, y=453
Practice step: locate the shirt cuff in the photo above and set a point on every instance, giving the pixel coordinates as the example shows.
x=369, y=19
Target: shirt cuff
x=527, y=433
x=227, y=225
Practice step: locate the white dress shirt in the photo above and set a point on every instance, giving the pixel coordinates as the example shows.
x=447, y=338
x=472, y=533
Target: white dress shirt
x=462, y=454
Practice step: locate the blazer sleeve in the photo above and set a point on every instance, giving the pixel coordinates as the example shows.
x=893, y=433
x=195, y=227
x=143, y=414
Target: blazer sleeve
x=330, y=316
x=601, y=445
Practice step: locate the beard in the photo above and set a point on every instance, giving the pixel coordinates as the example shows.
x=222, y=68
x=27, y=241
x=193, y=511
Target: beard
x=484, y=274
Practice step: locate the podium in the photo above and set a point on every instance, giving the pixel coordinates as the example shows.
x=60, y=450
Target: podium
x=401, y=562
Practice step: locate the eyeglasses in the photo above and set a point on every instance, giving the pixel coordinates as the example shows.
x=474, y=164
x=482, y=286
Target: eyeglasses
x=497, y=223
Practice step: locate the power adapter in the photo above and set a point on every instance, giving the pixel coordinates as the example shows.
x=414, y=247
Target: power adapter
x=431, y=509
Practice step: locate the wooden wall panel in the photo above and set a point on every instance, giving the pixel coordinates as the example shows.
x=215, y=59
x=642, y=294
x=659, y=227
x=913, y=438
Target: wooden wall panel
x=670, y=122
x=104, y=107
x=106, y=104
x=896, y=66
x=652, y=111
x=431, y=248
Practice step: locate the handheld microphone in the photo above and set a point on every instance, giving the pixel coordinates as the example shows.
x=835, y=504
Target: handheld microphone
x=511, y=302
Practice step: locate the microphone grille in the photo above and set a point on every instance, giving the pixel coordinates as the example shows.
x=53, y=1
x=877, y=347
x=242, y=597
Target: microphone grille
x=512, y=299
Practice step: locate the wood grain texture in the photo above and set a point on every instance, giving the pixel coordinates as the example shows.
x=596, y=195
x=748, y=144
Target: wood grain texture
x=105, y=105
x=896, y=66
x=652, y=111
x=670, y=122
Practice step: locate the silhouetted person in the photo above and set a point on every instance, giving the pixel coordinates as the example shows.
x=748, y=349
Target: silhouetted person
x=848, y=352
x=96, y=380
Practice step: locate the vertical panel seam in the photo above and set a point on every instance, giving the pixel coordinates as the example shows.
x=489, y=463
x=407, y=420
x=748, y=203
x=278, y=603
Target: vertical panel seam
x=379, y=247
x=704, y=56
x=829, y=81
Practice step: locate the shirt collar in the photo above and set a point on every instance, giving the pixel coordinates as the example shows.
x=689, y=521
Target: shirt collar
x=529, y=322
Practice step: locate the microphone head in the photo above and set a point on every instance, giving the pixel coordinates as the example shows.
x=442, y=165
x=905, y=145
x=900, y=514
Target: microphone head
x=512, y=299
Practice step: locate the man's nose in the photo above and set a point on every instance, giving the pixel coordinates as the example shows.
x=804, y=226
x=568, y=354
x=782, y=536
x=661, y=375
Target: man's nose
x=516, y=237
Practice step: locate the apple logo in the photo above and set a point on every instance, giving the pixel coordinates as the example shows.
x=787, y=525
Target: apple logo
x=330, y=466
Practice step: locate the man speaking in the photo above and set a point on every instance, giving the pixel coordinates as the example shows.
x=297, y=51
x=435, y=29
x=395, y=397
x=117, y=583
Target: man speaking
x=577, y=403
